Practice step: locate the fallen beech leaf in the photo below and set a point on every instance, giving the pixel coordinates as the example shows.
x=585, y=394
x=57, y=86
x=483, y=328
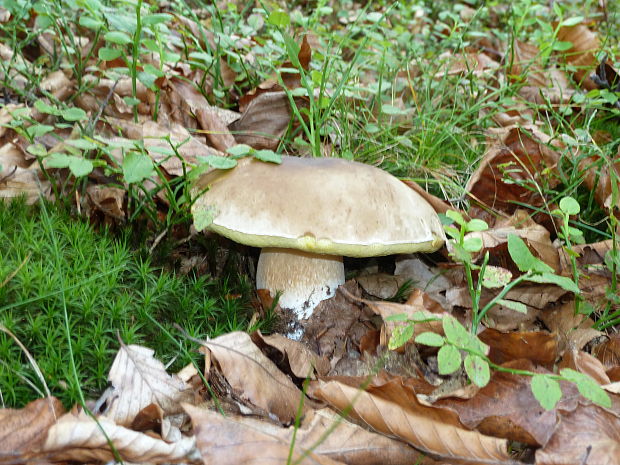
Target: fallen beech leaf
x=226, y=439
x=539, y=347
x=78, y=438
x=608, y=352
x=322, y=432
x=264, y=121
x=507, y=408
x=28, y=182
x=215, y=129
x=137, y=380
x=583, y=362
x=381, y=285
x=600, y=175
x=581, y=56
x=587, y=435
x=303, y=362
x=512, y=171
x=24, y=430
x=393, y=409
x=432, y=280
x=573, y=331
x=253, y=376
x=108, y=200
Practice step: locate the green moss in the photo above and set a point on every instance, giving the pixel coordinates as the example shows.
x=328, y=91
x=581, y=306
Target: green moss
x=56, y=273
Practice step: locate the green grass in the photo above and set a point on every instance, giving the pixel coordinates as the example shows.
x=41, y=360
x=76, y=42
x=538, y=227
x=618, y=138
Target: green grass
x=61, y=274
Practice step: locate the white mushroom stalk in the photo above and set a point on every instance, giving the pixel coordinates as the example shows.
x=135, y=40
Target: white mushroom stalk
x=303, y=278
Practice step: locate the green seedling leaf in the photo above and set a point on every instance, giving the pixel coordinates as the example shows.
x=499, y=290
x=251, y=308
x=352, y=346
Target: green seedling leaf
x=83, y=144
x=268, y=156
x=221, y=163
x=476, y=225
x=38, y=150
x=523, y=258
x=400, y=336
x=448, y=359
x=392, y=110
x=147, y=79
x=74, y=114
x=90, y=23
x=569, y=206
x=430, y=339
x=80, y=166
x=572, y=21
x=137, y=167
x=156, y=18
x=496, y=276
x=46, y=108
x=117, y=37
x=279, y=18
x=456, y=217
x=108, y=54
x=57, y=160
x=459, y=336
x=550, y=278
x=472, y=244
x=511, y=304
x=131, y=101
x=203, y=218
x=587, y=387
x=546, y=390
x=460, y=254
x=239, y=150
x=397, y=317
x=477, y=370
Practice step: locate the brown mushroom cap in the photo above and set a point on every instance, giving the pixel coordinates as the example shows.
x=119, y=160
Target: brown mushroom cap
x=319, y=205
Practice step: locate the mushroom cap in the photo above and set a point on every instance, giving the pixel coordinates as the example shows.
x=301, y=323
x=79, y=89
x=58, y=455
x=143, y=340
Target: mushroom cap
x=319, y=205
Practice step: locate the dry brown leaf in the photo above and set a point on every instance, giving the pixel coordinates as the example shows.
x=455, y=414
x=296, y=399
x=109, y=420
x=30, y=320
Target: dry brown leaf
x=393, y=409
x=232, y=440
x=108, y=200
x=582, y=54
x=539, y=347
x=608, y=352
x=583, y=362
x=303, y=362
x=321, y=432
x=507, y=408
x=573, y=331
x=478, y=64
x=587, y=435
x=381, y=285
x=264, y=121
x=78, y=438
x=137, y=380
x=600, y=174
x=214, y=128
x=516, y=169
x=29, y=182
x=432, y=280
x=253, y=376
x=23, y=431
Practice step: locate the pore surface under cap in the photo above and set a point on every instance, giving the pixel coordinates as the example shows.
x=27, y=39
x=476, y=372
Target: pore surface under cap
x=320, y=205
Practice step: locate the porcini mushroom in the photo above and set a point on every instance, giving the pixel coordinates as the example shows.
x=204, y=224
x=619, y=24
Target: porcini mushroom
x=307, y=213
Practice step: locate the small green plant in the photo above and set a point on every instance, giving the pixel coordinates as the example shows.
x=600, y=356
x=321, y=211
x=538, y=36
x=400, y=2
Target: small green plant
x=458, y=340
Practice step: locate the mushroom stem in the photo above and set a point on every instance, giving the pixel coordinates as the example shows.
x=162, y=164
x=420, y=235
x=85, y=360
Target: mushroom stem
x=304, y=278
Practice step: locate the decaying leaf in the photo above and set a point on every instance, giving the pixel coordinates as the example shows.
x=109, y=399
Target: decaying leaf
x=516, y=169
x=393, y=409
x=137, y=380
x=589, y=434
x=581, y=56
x=253, y=376
x=540, y=347
x=322, y=433
x=24, y=431
x=302, y=361
x=608, y=352
x=507, y=408
x=223, y=439
x=79, y=438
x=573, y=331
x=583, y=362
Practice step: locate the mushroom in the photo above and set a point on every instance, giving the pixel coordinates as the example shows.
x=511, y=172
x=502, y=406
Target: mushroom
x=306, y=213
